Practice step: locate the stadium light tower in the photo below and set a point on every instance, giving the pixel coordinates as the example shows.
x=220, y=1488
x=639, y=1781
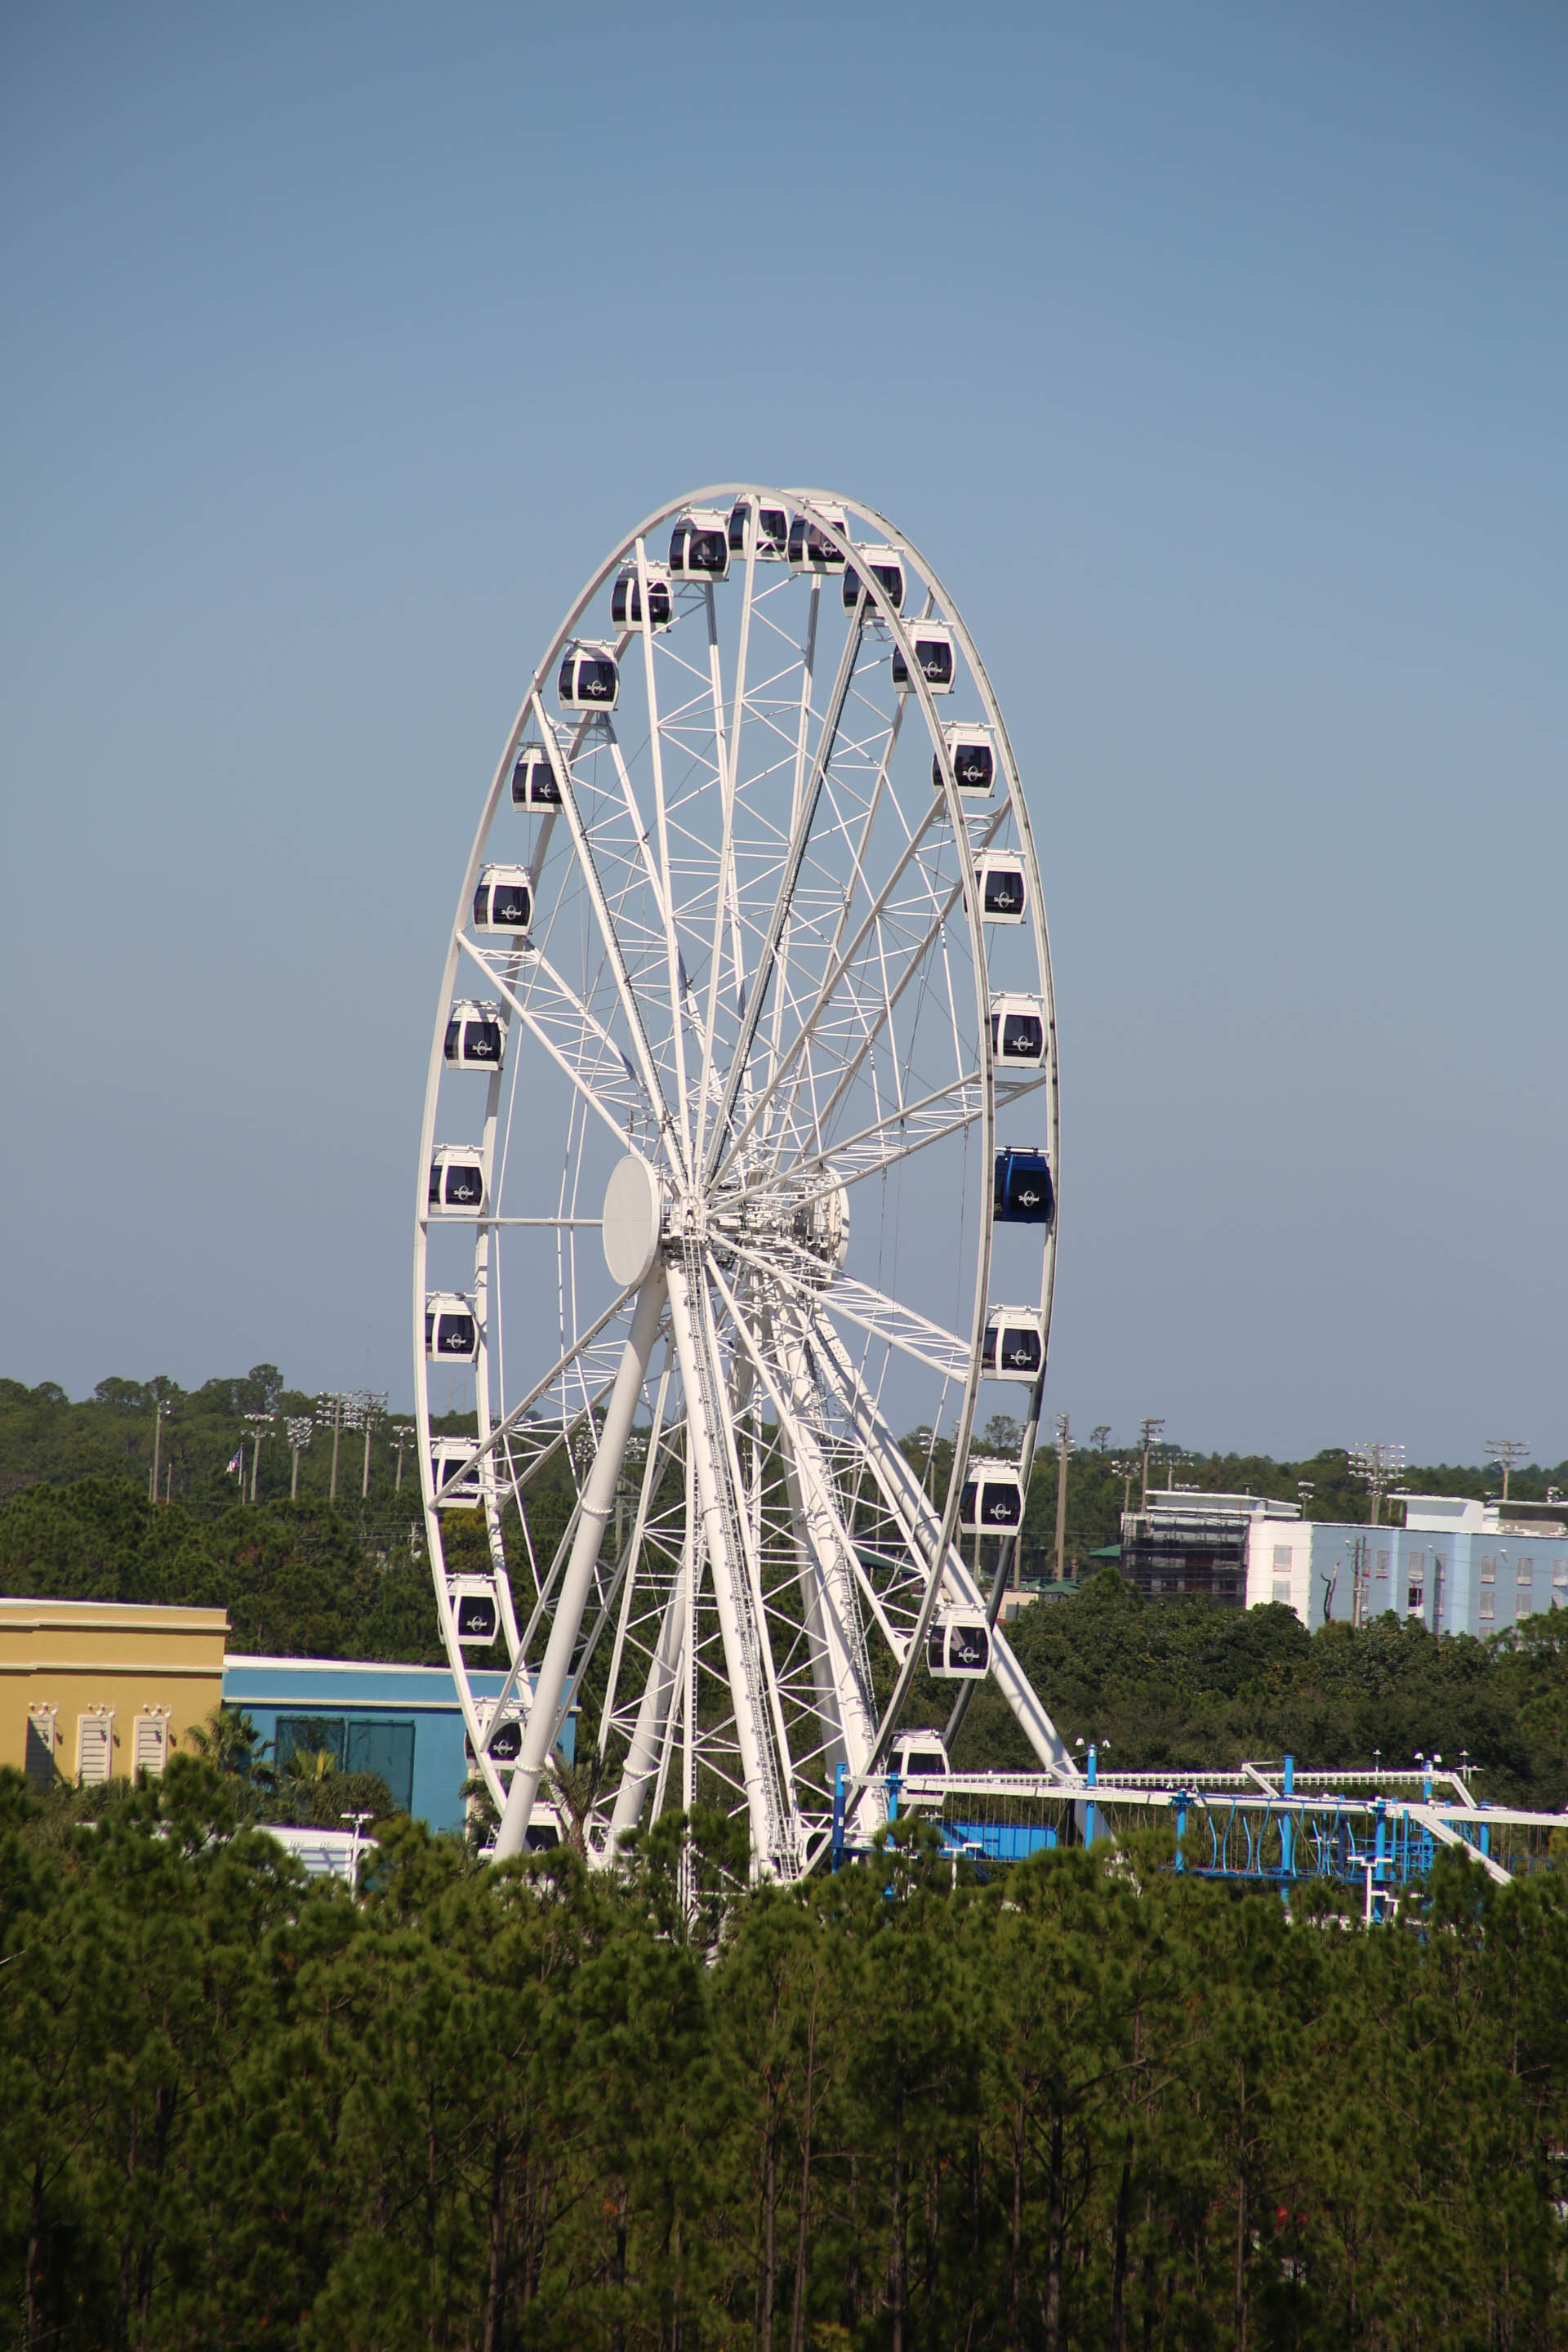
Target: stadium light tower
x=401, y=1434
x=1377, y=1468
x=259, y=1422
x=299, y=1429
x=334, y=1409
x=1506, y=1452
x=371, y=1405
x=1148, y=1431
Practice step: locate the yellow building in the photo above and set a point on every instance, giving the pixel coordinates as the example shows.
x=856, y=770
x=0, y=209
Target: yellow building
x=93, y=1690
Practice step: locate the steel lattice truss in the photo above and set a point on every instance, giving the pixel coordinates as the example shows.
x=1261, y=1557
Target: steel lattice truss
x=747, y=989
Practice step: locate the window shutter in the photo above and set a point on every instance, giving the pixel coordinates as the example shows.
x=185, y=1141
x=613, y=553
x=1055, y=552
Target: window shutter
x=95, y=1746
x=150, y=1747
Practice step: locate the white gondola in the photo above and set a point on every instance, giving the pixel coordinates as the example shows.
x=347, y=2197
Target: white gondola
x=456, y=1482
x=809, y=548
x=885, y=565
x=475, y=1040
x=452, y=1329
x=625, y=597
x=1014, y=1346
x=1003, y=894
x=1017, y=1033
x=974, y=757
x=457, y=1180
x=504, y=899
x=533, y=784
x=991, y=1500
x=477, y=1608
x=933, y=643
x=958, y=1650
x=590, y=676
x=700, y=546
x=772, y=532
x=921, y=1757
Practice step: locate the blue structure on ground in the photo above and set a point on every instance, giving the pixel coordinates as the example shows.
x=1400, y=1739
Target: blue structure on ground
x=1267, y=1824
x=404, y=1722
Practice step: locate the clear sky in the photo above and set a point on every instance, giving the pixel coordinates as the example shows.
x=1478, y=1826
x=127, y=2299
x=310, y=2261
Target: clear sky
x=1216, y=355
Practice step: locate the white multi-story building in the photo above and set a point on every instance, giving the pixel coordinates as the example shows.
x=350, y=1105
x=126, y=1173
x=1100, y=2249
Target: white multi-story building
x=1459, y=1566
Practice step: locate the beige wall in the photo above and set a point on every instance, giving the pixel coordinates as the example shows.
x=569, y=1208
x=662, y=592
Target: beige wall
x=79, y=1655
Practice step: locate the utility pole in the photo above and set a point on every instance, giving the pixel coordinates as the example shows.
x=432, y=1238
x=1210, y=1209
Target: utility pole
x=401, y=1434
x=1062, y=1448
x=1148, y=1431
x=1505, y=1452
x=259, y=1422
x=299, y=1429
x=1377, y=1466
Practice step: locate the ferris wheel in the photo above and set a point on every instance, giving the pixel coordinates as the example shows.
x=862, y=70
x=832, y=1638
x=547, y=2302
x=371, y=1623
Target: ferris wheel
x=738, y=1167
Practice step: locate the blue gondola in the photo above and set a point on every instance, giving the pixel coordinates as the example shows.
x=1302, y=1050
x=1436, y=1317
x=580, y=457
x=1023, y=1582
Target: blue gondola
x=1023, y=1194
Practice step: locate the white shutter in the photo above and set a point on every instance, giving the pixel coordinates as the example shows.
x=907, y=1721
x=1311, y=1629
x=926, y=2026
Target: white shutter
x=151, y=1745
x=95, y=1746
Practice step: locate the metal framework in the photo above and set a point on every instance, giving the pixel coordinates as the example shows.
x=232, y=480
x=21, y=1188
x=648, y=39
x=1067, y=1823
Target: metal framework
x=746, y=1000
x=1268, y=1824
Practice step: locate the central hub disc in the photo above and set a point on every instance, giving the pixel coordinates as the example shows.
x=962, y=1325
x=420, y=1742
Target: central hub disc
x=633, y=1220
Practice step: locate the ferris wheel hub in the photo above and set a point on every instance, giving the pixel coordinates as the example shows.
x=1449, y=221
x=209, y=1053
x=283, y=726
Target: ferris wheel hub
x=633, y=1222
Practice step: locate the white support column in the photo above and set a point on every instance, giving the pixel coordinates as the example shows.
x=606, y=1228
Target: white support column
x=598, y=1502
x=742, y=1637
x=660, y=1693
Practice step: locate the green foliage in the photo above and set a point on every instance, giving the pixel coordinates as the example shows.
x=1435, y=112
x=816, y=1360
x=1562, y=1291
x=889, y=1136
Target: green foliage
x=1095, y=2105
x=296, y=1578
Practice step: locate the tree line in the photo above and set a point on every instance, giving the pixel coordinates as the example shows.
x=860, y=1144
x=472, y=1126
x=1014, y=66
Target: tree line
x=1087, y=2103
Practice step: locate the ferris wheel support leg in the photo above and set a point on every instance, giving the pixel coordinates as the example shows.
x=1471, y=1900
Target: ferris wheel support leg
x=771, y=1854
x=660, y=1694
x=598, y=1502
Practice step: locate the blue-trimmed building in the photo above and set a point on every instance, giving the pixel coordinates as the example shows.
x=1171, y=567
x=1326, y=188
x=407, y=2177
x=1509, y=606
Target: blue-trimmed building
x=404, y=1722
x=1458, y=1565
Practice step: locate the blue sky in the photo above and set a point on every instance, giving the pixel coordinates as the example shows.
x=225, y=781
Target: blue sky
x=1218, y=356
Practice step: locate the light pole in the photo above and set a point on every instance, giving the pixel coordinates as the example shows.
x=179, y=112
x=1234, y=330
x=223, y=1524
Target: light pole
x=329, y=1409
x=1064, y=1442
x=371, y=1404
x=161, y=1407
x=1148, y=1431
x=259, y=1422
x=299, y=1429
x=401, y=1434
x=1377, y=1466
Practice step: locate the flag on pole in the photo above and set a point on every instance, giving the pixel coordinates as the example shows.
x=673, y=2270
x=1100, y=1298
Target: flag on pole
x=237, y=1467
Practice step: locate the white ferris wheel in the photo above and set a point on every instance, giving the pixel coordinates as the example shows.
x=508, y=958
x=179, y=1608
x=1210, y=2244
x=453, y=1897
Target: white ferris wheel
x=738, y=1158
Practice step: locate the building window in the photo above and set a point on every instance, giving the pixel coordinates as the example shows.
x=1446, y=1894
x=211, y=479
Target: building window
x=1560, y=1573
x=1415, y=1601
x=1488, y=1567
x=1525, y=1572
x=1522, y=1607
x=1282, y=1590
x=95, y=1746
x=1382, y=1566
x=355, y=1744
x=1488, y=1607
